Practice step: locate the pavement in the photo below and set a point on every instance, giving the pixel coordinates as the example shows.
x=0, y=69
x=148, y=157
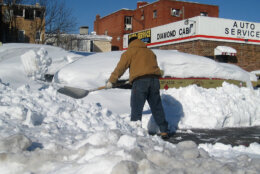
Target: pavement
x=233, y=136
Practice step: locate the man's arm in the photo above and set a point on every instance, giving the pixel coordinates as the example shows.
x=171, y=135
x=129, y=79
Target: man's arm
x=120, y=69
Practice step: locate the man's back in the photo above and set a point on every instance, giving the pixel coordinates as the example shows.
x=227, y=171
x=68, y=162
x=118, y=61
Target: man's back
x=142, y=61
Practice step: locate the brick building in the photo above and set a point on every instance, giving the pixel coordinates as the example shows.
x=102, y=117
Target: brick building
x=225, y=40
x=22, y=23
x=247, y=56
x=148, y=15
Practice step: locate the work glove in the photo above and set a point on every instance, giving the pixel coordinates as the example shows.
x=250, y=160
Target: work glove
x=109, y=85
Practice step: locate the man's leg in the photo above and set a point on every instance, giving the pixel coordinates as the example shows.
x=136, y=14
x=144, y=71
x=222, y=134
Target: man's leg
x=138, y=98
x=155, y=103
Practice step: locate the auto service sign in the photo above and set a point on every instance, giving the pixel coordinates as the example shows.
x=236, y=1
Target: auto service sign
x=204, y=28
x=229, y=30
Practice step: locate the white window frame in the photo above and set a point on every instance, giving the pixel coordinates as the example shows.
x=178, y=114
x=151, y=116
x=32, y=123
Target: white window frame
x=142, y=17
x=203, y=14
x=19, y=15
x=128, y=22
x=155, y=14
x=175, y=12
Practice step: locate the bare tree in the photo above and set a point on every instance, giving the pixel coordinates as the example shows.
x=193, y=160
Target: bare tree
x=58, y=18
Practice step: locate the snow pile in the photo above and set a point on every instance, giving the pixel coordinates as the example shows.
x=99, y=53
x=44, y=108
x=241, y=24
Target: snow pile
x=28, y=108
x=192, y=106
x=85, y=72
x=256, y=72
x=33, y=54
x=226, y=106
x=185, y=65
x=219, y=150
x=36, y=63
x=45, y=132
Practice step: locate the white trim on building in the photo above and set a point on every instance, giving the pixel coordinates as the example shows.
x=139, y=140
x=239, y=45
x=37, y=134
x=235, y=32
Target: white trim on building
x=203, y=28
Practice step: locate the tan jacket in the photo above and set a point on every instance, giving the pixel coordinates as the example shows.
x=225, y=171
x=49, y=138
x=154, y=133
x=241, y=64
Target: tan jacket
x=139, y=59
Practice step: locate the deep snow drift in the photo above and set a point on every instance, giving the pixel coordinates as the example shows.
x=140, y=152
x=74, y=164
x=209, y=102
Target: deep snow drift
x=85, y=72
x=43, y=131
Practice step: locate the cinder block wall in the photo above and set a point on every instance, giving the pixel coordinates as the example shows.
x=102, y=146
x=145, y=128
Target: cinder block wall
x=102, y=46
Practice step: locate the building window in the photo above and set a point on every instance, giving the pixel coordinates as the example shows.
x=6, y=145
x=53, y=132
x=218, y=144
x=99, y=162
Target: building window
x=38, y=36
x=175, y=12
x=203, y=14
x=39, y=14
x=18, y=11
x=142, y=17
x=106, y=32
x=29, y=14
x=21, y=36
x=142, y=14
x=128, y=22
x=155, y=14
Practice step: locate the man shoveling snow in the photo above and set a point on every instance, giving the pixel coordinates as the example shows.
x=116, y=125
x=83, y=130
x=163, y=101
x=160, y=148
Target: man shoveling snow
x=144, y=75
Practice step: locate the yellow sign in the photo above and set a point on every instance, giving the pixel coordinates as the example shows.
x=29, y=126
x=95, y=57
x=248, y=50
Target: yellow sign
x=145, y=36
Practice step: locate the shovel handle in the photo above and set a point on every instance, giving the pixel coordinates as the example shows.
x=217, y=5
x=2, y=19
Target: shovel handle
x=77, y=93
x=96, y=89
x=101, y=87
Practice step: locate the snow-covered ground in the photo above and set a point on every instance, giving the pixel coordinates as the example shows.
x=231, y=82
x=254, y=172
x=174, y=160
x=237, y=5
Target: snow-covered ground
x=43, y=131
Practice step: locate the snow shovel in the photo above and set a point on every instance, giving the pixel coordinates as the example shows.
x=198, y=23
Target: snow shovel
x=77, y=93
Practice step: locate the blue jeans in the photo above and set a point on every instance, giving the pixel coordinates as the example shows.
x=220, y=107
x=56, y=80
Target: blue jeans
x=148, y=88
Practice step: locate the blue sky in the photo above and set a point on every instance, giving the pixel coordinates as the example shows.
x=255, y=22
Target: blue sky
x=85, y=11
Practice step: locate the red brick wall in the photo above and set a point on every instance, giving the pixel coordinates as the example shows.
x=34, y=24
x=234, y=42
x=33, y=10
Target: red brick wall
x=248, y=56
x=164, y=16
x=114, y=23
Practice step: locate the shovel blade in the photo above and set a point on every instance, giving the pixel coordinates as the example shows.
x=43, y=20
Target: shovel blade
x=73, y=92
